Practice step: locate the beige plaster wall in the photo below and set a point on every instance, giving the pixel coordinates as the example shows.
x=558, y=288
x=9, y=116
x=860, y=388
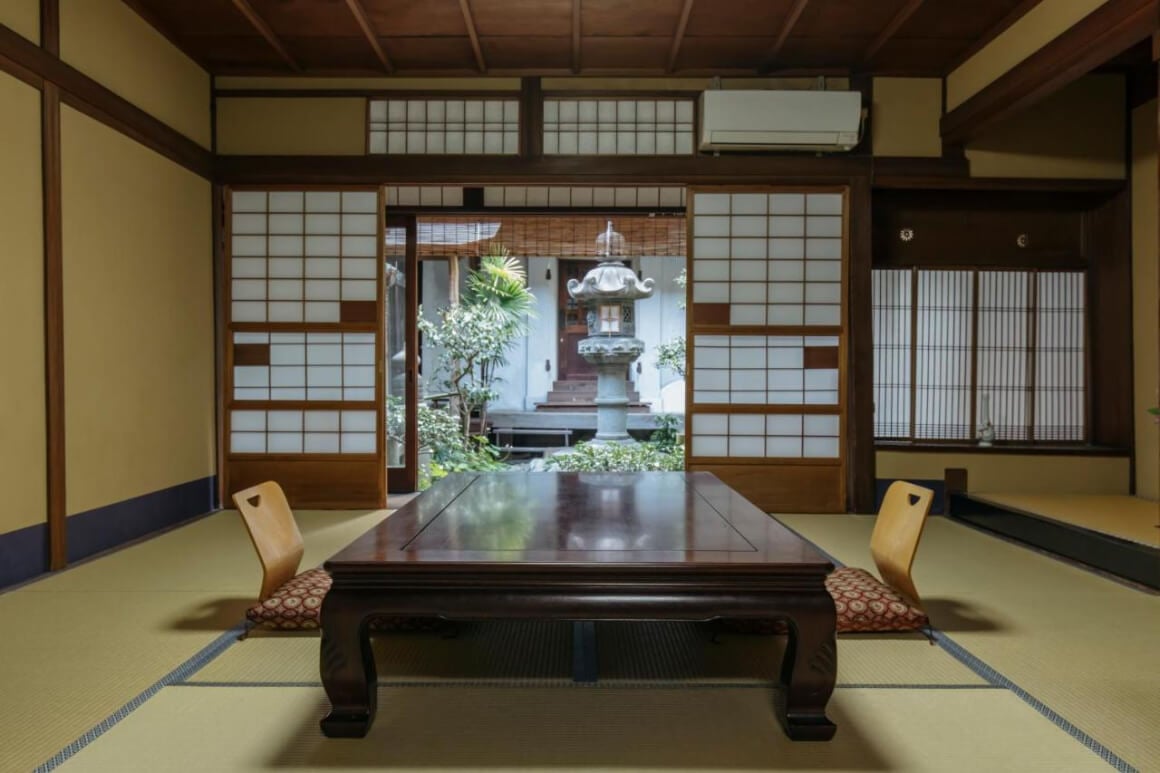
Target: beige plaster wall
x=1038, y=27
x=1146, y=298
x=22, y=431
x=138, y=318
x=905, y=114
x=1078, y=132
x=324, y=126
x=23, y=16
x=107, y=41
x=1013, y=473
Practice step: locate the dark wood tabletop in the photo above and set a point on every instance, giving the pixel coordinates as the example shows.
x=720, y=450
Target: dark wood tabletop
x=582, y=547
x=539, y=521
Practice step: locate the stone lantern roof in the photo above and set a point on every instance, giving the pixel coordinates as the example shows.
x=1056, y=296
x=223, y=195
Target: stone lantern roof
x=611, y=280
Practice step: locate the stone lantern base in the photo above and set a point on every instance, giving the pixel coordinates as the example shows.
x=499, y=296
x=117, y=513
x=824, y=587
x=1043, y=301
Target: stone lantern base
x=611, y=356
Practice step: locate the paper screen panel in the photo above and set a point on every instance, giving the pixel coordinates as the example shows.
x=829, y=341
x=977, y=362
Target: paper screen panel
x=307, y=366
x=618, y=127
x=302, y=432
x=296, y=256
x=434, y=127
x=775, y=259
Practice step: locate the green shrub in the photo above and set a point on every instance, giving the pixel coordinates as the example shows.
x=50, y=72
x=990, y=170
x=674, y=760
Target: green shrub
x=639, y=457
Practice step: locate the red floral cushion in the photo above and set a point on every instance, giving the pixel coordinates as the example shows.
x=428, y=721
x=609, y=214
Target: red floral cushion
x=296, y=606
x=863, y=603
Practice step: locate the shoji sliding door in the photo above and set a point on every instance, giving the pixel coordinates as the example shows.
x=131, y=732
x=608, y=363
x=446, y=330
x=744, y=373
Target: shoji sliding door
x=766, y=344
x=304, y=349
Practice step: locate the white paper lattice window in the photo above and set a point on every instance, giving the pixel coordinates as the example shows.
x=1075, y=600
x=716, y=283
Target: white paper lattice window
x=302, y=432
x=775, y=259
x=453, y=127
x=307, y=366
x=788, y=436
x=297, y=255
x=618, y=127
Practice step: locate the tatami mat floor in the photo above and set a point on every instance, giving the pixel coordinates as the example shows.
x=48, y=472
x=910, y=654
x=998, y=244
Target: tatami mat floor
x=107, y=654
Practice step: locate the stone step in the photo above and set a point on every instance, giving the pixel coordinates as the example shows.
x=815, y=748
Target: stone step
x=587, y=407
x=569, y=397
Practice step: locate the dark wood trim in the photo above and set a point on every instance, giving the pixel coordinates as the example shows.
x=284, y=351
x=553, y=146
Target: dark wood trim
x=264, y=29
x=892, y=27
x=82, y=93
x=576, y=36
x=469, y=22
x=999, y=449
x=531, y=118
x=576, y=170
x=411, y=395
x=1122, y=558
x=50, y=26
x=54, y=402
x=1109, y=30
x=860, y=461
x=1108, y=244
x=679, y=35
x=997, y=29
x=222, y=339
x=19, y=71
x=220, y=93
x=997, y=184
x=787, y=26
x=156, y=22
x=911, y=171
x=360, y=16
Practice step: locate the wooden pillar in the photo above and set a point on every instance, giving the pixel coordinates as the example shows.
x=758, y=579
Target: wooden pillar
x=860, y=471
x=54, y=406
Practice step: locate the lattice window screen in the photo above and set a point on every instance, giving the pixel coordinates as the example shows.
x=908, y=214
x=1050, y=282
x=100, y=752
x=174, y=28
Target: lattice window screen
x=1007, y=346
x=892, y=352
x=445, y=126
x=303, y=311
x=767, y=325
x=943, y=355
x=618, y=127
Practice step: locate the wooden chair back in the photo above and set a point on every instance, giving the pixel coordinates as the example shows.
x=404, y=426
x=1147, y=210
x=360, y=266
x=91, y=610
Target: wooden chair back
x=273, y=532
x=896, y=534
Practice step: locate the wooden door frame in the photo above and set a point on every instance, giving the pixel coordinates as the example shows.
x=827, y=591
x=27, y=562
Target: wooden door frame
x=405, y=479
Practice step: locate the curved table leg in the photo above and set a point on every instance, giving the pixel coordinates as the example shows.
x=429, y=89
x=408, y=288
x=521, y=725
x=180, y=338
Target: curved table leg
x=810, y=669
x=347, y=666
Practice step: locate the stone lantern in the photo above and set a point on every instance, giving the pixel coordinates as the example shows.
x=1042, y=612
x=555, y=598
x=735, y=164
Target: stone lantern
x=609, y=293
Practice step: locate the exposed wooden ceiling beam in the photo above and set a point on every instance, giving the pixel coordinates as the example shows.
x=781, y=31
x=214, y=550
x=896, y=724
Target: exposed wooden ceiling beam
x=679, y=35
x=465, y=6
x=1106, y=32
x=576, y=36
x=264, y=30
x=360, y=15
x=995, y=30
x=787, y=26
x=892, y=27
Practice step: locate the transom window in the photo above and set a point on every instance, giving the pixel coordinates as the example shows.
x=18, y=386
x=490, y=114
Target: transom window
x=954, y=349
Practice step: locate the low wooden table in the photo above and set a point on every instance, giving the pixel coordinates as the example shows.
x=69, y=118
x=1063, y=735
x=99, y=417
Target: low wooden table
x=580, y=547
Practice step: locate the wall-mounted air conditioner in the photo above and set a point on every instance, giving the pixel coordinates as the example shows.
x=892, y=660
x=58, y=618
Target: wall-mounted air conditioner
x=824, y=121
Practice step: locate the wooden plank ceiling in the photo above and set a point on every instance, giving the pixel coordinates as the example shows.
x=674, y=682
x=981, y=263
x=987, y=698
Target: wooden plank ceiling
x=590, y=37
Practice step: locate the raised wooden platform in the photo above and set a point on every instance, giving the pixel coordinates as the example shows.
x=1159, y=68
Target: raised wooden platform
x=1115, y=534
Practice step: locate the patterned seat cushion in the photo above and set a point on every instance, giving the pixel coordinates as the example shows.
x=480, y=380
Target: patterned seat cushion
x=297, y=605
x=863, y=603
